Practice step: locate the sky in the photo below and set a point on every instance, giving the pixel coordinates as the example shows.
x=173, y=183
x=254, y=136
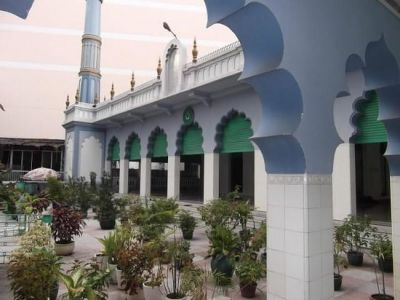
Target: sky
x=40, y=56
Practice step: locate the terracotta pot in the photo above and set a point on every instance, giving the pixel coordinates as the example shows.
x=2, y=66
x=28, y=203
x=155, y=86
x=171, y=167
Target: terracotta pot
x=152, y=293
x=380, y=297
x=248, y=290
x=64, y=249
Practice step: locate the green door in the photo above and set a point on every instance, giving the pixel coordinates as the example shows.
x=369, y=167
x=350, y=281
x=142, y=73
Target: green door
x=160, y=145
x=236, y=136
x=134, y=153
x=192, y=141
x=370, y=129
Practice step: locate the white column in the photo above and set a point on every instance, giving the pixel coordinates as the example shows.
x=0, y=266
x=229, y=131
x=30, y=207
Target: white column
x=344, y=181
x=300, y=230
x=107, y=167
x=211, y=176
x=260, y=182
x=173, y=181
x=123, y=176
x=395, y=207
x=145, y=177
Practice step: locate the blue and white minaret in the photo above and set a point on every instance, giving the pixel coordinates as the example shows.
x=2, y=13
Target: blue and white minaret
x=89, y=83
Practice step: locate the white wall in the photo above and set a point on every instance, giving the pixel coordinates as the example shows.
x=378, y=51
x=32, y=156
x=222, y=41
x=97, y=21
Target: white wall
x=260, y=182
x=91, y=157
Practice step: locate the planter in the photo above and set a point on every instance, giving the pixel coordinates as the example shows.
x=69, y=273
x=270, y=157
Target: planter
x=385, y=265
x=380, y=297
x=187, y=233
x=107, y=223
x=355, y=258
x=64, y=249
x=120, y=284
x=223, y=266
x=101, y=261
x=248, y=290
x=152, y=293
x=113, y=272
x=173, y=296
x=53, y=292
x=337, y=280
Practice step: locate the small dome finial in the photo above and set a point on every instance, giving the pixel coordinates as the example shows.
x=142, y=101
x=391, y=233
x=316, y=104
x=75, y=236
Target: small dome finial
x=67, y=102
x=112, y=92
x=77, y=96
x=195, y=52
x=159, y=69
x=133, y=82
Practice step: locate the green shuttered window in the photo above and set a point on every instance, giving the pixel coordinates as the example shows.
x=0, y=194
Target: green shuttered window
x=115, y=152
x=192, y=141
x=134, y=154
x=370, y=129
x=236, y=136
x=160, y=145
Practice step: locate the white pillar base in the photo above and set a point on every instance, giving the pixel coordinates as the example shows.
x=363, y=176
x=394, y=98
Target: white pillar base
x=211, y=176
x=395, y=206
x=145, y=177
x=173, y=181
x=260, y=182
x=300, y=232
x=123, y=176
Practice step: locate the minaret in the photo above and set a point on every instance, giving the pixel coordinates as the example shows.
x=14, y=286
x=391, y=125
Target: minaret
x=89, y=83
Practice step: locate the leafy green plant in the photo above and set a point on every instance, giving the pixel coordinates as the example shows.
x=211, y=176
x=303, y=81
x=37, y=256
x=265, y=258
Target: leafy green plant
x=106, y=209
x=109, y=243
x=381, y=247
x=249, y=270
x=216, y=213
x=223, y=241
x=85, y=282
x=9, y=195
x=194, y=282
x=187, y=223
x=33, y=273
x=38, y=236
x=78, y=193
x=67, y=223
x=259, y=239
x=339, y=248
x=56, y=191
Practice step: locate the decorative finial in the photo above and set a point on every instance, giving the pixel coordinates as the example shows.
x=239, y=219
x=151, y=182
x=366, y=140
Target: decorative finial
x=195, y=52
x=112, y=92
x=67, y=102
x=166, y=27
x=159, y=69
x=133, y=82
x=77, y=96
x=96, y=100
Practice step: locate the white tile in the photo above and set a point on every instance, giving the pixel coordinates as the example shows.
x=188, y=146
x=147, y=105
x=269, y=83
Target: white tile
x=326, y=215
x=276, y=261
x=312, y=196
x=295, y=266
x=314, y=268
x=313, y=243
x=312, y=217
x=294, y=195
x=327, y=264
x=327, y=241
x=295, y=289
x=316, y=289
x=327, y=287
x=294, y=242
x=276, y=216
x=276, y=194
x=326, y=195
x=276, y=284
x=276, y=239
x=294, y=219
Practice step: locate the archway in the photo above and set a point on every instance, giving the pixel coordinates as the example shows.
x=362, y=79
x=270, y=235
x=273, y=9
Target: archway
x=114, y=158
x=132, y=154
x=157, y=151
x=190, y=149
x=236, y=154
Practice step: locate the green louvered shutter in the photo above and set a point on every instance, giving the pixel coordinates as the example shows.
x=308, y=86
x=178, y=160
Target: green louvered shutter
x=370, y=130
x=160, y=145
x=236, y=136
x=135, y=150
x=115, y=152
x=192, y=141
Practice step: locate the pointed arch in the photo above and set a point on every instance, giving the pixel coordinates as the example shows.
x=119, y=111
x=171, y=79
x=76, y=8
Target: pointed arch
x=157, y=145
x=132, y=147
x=189, y=140
x=113, y=149
x=234, y=133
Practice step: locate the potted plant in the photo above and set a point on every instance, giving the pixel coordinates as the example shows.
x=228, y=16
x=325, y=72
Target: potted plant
x=153, y=276
x=259, y=241
x=223, y=242
x=108, y=253
x=381, y=295
x=78, y=192
x=187, y=223
x=339, y=261
x=249, y=271
x=355, y=232
x=382, y=249
x=85, y=281
x=67, y=223
x=106, y=209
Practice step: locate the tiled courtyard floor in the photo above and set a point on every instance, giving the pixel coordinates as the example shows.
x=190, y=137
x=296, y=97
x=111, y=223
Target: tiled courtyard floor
x=358, y=283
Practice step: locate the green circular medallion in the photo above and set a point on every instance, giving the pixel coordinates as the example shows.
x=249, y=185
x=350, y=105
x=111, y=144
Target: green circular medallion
x=188, y=116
